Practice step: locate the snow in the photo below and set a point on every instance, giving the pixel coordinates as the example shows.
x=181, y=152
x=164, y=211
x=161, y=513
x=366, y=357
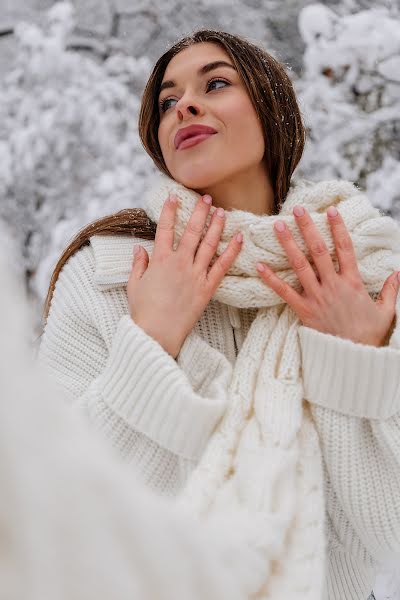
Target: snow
x=316, y=21
x=384, y=185
x=69, y=141
x=350, y=97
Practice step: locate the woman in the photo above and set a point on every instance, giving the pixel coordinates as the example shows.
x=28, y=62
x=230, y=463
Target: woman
x=252, y=375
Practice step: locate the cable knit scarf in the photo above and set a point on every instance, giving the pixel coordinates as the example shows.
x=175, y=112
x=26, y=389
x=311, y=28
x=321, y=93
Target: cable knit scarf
x=262, y=467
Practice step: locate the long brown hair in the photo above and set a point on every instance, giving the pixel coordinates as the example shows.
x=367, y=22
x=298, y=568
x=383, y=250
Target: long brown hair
x=274, y=99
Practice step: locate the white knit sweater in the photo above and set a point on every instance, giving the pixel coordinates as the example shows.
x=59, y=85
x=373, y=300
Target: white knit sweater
x=158, y=413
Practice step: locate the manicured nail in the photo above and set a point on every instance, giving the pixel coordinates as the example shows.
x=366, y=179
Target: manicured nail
x=298, y=211
x=207, y=199
x=280, y=226
x=220, y=212
x=136, y=250
x=260, y=267
x=173, y=198
x=239, y=237
x=332, y=211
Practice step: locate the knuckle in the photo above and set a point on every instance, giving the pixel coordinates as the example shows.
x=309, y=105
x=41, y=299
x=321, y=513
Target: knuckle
x=299, y=263
x=210, y=242
x=218, y=271
x=216, y=227
x=224, y=261
x=166, y=206
x=285, y=234
x=227, y=257
x=194, y=228
x=164, y=224
x=318, y=248
x=138, y=261
x=344, y=243
x=305, y=222
x=357, y=284
x=282, y=289
x=160, y=254
x=268, y=276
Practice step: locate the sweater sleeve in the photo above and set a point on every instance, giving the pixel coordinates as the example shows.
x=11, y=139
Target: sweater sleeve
x=129, y=388
x=354, y=391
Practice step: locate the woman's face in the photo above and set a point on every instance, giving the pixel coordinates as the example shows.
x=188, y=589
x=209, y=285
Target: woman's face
x=198, y=94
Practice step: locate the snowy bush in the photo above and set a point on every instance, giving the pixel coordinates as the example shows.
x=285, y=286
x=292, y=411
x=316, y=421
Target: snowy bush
x=350, y=93
x=69, y=148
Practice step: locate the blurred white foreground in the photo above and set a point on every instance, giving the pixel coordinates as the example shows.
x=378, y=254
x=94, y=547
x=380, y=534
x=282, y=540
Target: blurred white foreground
x=73, y=523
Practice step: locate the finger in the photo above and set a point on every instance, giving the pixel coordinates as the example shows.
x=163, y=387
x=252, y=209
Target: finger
x=140, y=262
x=225, y=261
x=297, y=259
x=343, y=243
x=164, y=238
x=283, y=289
x=318, y=249
x=195, y=227
x=209, y=244
x=388, y=295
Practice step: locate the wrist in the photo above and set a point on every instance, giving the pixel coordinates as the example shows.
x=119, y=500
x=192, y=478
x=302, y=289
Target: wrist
x=357, y=337
x=163, y=339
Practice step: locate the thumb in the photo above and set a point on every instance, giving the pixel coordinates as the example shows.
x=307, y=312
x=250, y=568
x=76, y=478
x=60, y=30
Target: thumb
x=140, y=261
x=388, y=295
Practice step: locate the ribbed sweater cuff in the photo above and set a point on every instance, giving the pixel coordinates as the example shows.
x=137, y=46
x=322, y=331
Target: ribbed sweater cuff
x=348, y=578
x=351, y=378
x=145, y=386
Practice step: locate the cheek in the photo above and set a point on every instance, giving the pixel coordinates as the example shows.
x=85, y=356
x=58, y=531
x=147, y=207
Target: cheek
x=244, y=128
x=162, y=138
x=168, y=152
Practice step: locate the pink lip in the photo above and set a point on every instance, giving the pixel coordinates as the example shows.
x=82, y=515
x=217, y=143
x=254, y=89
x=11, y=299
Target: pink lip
x=194, y=140
x=190, y=131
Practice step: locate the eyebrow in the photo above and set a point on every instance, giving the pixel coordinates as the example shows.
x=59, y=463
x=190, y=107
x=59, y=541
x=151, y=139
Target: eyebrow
x=202, y=71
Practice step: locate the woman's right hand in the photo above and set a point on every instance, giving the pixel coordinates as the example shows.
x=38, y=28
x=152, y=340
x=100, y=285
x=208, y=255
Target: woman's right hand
x=168, y=293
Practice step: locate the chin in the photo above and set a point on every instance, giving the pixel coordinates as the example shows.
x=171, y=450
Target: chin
x=199, y=180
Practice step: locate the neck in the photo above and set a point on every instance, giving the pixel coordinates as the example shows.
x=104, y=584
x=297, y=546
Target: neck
x=251, y=192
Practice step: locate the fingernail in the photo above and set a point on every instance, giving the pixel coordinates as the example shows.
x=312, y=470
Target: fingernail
x=136, y=250
x=173, y=198
x=220, y=212
x=280, y=226
x=298, y=211
x=239, y=237
x=332, y=211
x=260, y=267
x=207, y=199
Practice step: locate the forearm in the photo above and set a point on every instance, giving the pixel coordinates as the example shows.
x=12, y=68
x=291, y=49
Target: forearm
x=353, y=379
x=354, y=409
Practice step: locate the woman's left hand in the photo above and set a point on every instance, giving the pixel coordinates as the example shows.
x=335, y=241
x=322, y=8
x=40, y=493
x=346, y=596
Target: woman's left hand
x=332, y=302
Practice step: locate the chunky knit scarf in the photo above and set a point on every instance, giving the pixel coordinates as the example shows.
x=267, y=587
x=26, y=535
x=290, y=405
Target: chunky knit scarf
x=262, y=467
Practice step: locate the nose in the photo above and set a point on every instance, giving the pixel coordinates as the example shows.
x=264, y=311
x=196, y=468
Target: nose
x=188, y=106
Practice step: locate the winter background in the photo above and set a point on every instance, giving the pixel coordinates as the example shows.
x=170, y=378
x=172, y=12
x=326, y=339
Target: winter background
x=72, y=75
